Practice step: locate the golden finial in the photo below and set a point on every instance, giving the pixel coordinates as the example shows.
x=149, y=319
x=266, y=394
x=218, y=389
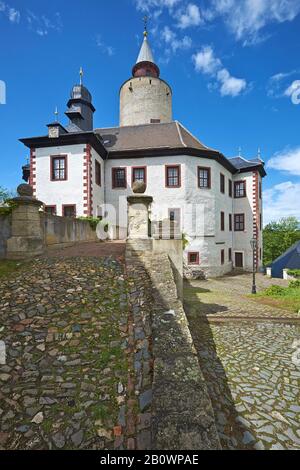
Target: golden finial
x=81, y=75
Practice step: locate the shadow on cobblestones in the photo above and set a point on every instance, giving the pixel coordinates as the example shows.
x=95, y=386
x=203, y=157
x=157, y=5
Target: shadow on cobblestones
x=232, y=434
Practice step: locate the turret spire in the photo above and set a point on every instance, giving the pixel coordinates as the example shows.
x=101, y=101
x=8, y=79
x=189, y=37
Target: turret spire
x=145, y=65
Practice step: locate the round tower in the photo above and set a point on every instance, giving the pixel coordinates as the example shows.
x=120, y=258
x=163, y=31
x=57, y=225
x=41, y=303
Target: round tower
x=145, y=98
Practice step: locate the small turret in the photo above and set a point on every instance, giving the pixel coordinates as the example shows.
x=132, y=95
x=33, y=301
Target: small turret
x=80, y=108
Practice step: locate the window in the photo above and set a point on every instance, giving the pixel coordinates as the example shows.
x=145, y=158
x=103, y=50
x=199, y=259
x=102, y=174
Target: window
x=222, y=183
x=193, y=258
x=154, y=121
x=260, y=253
x=59, y=168
x=173, y=179
x=239, y=189
x=139, y=174
x=119, y=178
x=51, y=210
x=230, y=188
x=230, y=222
x=239, y=222
x=222, y=221
x=260, y=190
x=222, y=256
x=204, y=177
x=97, y=173
x=230, y=254
x=260, y=221
x=69, y=211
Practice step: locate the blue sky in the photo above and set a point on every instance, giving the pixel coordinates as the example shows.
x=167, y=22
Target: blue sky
x=233, y=66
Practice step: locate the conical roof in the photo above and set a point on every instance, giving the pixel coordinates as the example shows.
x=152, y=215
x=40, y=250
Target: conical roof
x=145, y=54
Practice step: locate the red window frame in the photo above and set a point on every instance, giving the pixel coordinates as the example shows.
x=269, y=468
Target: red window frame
x=58, y=157
x=98, y=173
x=239, y=222
x=139, y=168
x=192, y=254
x=68, y=205
x=113, y=173
x=54, y=208
x=208, y=169
x=170, y=167
x=222, y=183
x=237, y=193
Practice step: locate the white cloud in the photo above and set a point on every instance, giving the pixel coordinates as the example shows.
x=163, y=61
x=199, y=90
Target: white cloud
x=190, y=17
x=13, y=15
x=206, y=62
x=279, y=86
x=281, y=201
x=247, y=18
x=147, y=5
x=109, y=50
x=231, y=86
x=171, y=39
x=42, y=25
x=287, y=160
x=292, y=88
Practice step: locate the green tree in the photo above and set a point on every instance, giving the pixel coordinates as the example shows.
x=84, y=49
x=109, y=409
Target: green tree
x=4, y=194
x=279, y=236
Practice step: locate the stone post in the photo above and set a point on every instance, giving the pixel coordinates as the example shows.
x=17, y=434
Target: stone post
x=27, y=238
x=138, y=213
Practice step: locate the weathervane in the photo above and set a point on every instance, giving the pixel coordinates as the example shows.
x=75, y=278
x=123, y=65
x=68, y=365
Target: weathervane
x=240, y=151
x=146, y=19
x=259, y=153
x=56, y=114
x=81, y=75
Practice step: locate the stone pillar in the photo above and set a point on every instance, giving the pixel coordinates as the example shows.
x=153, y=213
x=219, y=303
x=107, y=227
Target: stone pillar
x=138, y=213
x=27, y=238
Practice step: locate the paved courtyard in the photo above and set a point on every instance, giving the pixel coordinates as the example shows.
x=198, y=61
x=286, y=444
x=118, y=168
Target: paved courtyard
x=251, y=366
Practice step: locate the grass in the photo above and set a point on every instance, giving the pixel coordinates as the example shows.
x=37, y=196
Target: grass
x=8, y=267
x=287, y=298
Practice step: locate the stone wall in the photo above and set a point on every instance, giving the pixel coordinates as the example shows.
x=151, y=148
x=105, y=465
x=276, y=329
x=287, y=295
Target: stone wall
x=63, y=230
x=5, y=233
x=181, y=411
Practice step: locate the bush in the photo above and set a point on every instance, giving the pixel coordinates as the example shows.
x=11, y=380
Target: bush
x=294, y=284
x=294, y=272
x=275, y=291
x=94, y=221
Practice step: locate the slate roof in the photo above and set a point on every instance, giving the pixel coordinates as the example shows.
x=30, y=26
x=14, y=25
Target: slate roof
x=241, y=162
x=290, y=258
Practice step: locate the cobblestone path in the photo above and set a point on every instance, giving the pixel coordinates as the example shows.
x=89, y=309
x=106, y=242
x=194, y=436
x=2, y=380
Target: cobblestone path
x=252, y=368
x=64, y=354
x=228, y=297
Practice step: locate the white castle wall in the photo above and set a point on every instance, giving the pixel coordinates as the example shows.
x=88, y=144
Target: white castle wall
x=60, y=192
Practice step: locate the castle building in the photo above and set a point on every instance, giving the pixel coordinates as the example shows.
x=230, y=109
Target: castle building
x=83, y=171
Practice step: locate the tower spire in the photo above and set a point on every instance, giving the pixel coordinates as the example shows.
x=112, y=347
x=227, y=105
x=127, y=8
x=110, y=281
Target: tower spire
x=145, y=65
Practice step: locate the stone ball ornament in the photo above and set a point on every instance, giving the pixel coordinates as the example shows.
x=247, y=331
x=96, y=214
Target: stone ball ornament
x=139, y=187
x=25, y=190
